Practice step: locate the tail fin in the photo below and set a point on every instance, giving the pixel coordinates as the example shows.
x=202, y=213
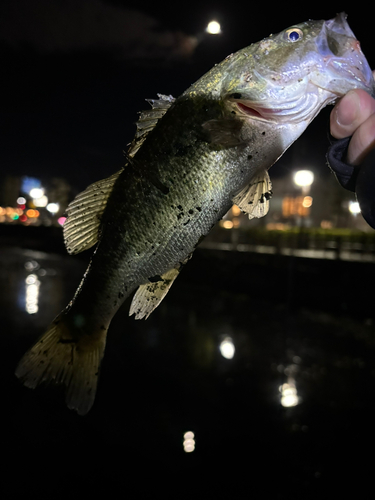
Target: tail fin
x=61, y=357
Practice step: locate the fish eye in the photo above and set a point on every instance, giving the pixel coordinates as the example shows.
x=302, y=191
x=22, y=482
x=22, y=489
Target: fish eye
x=293, y=34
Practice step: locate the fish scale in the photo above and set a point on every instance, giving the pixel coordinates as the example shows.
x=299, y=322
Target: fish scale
x=192, y=158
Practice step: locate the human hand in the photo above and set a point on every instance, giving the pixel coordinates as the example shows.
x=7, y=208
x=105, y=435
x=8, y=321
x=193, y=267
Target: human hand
x=354, y=115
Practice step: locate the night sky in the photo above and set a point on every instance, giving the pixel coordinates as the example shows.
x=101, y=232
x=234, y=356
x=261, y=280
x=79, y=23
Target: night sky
x=75, y=73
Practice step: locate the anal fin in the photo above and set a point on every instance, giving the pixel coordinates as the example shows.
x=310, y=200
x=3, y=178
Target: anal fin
x=149, y=296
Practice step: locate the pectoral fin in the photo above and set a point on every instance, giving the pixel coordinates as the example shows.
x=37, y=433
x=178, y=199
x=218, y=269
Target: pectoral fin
x=224, y=132
x=254, y=198
x=81, y=228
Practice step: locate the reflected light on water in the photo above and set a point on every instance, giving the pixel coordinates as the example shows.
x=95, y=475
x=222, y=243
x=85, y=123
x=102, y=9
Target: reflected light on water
x=289, y=395
x=227, y=348
x=189, y=443
x=32, y=293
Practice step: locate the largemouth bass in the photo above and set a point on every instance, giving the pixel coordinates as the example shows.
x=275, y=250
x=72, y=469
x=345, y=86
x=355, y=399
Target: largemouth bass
x=192, y=158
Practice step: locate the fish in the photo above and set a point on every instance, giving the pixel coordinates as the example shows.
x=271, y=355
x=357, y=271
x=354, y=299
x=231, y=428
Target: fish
x=191, y=159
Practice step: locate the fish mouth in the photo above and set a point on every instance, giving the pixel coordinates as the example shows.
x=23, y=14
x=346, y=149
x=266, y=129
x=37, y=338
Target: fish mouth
x=258, y=112
x=292, y=111
x=342, y=54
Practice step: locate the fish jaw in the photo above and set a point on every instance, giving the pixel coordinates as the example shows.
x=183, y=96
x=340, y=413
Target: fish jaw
x=279, y=81
x=344, y=59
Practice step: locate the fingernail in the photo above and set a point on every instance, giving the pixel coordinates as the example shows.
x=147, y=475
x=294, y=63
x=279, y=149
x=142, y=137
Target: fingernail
x=347, y=109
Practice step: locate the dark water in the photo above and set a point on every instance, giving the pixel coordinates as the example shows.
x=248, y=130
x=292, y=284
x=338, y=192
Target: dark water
x=166, y=376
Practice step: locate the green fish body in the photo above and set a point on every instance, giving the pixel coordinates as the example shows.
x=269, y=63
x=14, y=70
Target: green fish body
x=192, y=158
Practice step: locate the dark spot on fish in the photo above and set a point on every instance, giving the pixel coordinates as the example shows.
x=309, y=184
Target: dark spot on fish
x=249, y=157
x=199, y=209
x=179, y=207
x=265, y=196
x=263, y=133
x=181, y=214
x=233, y=112
x=191, y=211
x=155, y=278
x=236, y=95
x=187, y=222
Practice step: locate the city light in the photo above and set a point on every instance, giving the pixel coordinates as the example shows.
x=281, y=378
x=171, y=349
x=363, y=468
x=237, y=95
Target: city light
x=36, y=193
x=41, y=202
x=213, y=28
x=227, y=348
x=307, y=201
x=53, y=208
x=61, y=220
x=226, y=224
x=354, y=207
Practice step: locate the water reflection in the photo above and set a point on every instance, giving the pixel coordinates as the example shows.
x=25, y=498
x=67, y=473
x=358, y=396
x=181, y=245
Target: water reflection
x=32, y=293
x=189, y=442
x=227, y=348
x=289, y=395
x=171, y=373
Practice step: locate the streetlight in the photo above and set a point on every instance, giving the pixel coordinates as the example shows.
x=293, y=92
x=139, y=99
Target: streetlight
x=213, y=28
x=303, y=179
x=354, y=208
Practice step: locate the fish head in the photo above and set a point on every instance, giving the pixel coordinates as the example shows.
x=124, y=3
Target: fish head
x=289, y=77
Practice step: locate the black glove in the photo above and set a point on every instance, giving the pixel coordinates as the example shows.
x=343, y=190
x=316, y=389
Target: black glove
x=360, y=180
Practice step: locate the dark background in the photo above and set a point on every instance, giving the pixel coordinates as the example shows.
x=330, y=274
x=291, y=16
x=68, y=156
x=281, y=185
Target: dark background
x=74, y=75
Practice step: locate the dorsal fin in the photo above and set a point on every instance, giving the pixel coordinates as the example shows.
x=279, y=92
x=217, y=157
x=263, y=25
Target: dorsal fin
x=148, y=296
x=254, y=198
x=81, y=228
x=148, y=119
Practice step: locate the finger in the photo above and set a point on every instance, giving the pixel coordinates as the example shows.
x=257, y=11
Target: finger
x=362, y=142
x=350, y=112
